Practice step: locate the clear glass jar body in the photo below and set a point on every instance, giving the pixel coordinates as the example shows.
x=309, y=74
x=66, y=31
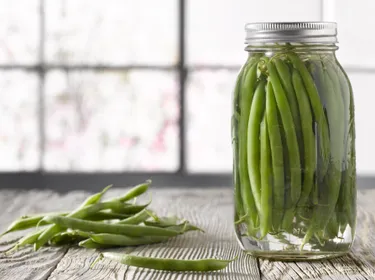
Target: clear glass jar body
x=293, y=138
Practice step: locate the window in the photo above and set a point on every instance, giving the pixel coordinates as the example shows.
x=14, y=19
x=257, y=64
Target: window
x=99, y=91
x=110, y=88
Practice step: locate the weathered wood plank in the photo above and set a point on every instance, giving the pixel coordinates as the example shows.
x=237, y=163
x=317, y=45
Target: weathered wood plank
x=208, y=209
x=360, y=264
x=25, y=263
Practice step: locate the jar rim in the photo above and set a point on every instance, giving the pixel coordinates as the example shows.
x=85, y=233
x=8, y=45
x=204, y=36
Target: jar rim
x=303, y=32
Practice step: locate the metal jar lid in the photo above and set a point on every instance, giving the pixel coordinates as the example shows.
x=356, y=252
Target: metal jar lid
x=303, y=32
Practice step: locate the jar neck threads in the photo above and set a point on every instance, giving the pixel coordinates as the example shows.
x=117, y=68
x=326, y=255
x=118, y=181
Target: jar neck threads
x=295, y=47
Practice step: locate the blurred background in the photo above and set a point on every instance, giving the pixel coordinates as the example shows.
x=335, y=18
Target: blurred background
x=94, y=92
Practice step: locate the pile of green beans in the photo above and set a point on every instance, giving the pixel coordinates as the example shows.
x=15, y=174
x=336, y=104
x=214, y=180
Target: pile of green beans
x=294, y=147
x=98, y=224
x=101, y=224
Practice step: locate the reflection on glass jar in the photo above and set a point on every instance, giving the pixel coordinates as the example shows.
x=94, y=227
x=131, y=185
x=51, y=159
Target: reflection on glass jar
x=294, y=144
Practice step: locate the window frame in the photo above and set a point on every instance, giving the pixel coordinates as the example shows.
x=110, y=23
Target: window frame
x=65, y=181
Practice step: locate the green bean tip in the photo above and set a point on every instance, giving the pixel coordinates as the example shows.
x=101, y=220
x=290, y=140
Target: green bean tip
x=106, y=189
x=98, y=259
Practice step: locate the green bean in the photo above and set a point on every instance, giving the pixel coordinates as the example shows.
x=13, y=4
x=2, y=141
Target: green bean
x=289, y=208
x=286, y=81
x=163, y=222
x=60, y=239
x=351, y=194
x=247, y=90
x=253, y=143
x=290, y=133
x=277, y=157
x=266, y=180
x=41, y=215
x=166, y=264
x=341, y=92
x=308, y=138
x=335, y=113
x=26, y=240
x=90, y=244
x=123, y=240
x=327, y=204
x=239, y=211
x=349, y=175
x=332, y=228
x=69, y=237
x=320, y=189
x=137, y=218
x=135, y=191
x=129, y=209
x=184, y=227
x=104, y=215
x=98, y=227
x=29, y=221
x=26, y=222
x=80, y=233
x=317, y=109
x=92, y=199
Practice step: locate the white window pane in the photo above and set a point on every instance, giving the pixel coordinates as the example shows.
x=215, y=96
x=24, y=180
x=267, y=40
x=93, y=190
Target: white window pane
x=19, y=31
x=19, y=140
x=215, y=28
x=111, y=121
x=209, y=99
x=365, y=126
x=355, y=30
x=111, y=31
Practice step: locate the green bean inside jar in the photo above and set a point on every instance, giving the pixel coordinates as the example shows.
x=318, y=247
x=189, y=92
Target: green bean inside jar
x=293, y=138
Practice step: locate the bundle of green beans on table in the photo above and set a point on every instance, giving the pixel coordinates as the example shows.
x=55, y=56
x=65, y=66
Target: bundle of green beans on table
x=293, y=139
x=98, y=224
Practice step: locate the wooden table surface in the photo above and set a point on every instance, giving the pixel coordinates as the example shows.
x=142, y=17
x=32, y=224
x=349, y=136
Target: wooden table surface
x=211, y=209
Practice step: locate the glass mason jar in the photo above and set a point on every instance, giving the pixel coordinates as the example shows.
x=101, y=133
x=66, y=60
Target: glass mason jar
x=294, y=144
